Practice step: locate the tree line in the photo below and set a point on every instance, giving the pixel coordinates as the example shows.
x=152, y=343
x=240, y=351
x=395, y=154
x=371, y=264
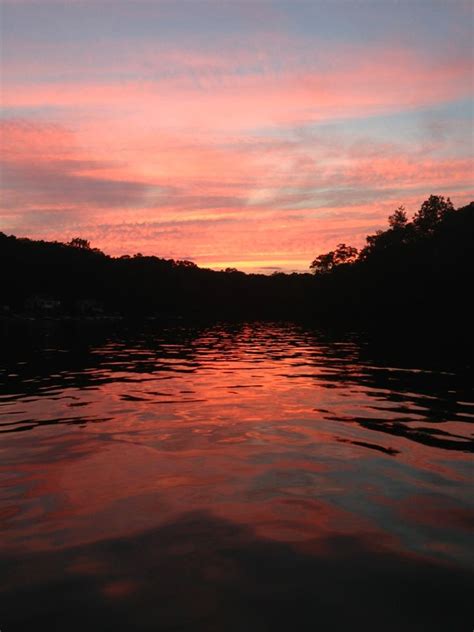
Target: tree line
x=414, y=271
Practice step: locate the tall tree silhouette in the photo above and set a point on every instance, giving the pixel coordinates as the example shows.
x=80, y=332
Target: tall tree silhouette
x=432, y=211
x=398, y=220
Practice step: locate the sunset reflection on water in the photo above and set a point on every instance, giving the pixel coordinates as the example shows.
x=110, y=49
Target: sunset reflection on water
x=159, y=473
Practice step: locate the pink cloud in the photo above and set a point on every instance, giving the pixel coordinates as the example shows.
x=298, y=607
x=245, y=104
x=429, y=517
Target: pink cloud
x=377, y=82
x=248, y=203
x=209, y=163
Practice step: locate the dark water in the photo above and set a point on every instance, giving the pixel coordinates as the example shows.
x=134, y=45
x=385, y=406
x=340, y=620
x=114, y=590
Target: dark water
x=240, y=478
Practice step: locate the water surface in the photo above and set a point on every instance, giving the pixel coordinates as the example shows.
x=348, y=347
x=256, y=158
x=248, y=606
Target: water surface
x=231, y=477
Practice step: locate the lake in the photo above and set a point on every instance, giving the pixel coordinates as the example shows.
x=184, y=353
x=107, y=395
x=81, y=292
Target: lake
x=237, y=477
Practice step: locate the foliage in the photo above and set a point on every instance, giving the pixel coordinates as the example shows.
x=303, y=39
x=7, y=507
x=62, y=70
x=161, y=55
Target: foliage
x=419, y=271
x=327, y=262
x=399, y=219
x=77, y=242
x=431, y=213
x=421, y=268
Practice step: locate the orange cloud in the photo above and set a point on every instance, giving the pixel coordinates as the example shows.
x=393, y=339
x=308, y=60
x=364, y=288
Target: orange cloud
x=226, y=167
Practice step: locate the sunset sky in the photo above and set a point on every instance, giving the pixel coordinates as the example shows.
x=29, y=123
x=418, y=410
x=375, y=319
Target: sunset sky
x=253, y=134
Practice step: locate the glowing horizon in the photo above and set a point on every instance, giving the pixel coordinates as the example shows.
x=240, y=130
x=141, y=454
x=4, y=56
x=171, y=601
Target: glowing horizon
x=235, y=134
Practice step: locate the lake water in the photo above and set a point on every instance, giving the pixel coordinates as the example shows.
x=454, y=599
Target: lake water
x=246, y=477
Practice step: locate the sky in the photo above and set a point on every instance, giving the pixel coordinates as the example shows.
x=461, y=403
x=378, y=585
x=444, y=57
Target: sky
x=248, y=134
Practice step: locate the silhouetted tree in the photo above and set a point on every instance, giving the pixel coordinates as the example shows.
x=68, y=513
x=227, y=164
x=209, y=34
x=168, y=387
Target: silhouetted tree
x=78, y=242
x=323, y=263
x=432, y=211
x=345, y=254
x=185, y=263
x=327, y=262
x=419, y=272
x=398, y=220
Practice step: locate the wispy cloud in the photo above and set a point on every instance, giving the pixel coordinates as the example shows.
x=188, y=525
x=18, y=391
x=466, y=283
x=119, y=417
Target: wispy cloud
x=235, y=142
